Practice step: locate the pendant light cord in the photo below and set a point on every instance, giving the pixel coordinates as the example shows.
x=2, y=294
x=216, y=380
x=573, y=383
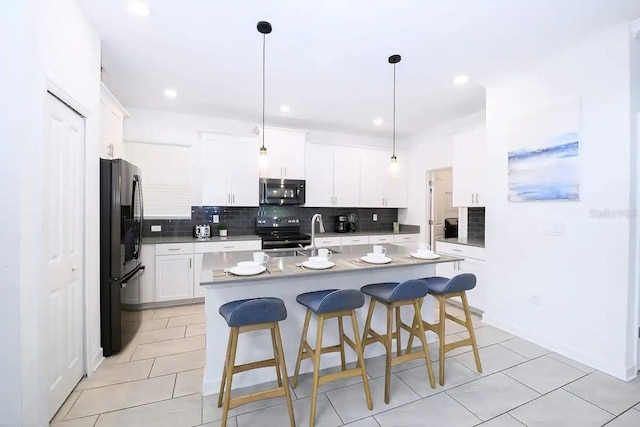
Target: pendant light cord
x=394, y=110
x=264, y=43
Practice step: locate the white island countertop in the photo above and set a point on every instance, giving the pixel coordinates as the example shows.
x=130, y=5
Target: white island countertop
x=285, y=280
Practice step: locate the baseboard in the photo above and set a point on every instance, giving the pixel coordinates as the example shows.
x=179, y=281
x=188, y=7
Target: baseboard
x=623, y=373
x=162, y=304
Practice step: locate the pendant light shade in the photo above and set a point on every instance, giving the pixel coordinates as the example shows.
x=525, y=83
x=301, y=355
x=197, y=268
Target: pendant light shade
x=264, y=28
x=394, y=59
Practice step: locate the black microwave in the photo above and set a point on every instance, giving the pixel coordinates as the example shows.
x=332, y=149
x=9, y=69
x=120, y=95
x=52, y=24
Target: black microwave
x=281, y=191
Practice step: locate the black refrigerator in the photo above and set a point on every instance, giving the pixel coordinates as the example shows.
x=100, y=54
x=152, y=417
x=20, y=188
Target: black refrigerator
x=121, y=213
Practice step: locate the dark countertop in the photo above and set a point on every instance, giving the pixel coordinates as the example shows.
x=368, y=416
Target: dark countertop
x=348, y=260
x=463, y=241
x=190, y=239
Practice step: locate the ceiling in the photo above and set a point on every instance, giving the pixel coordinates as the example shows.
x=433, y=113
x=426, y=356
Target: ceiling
x=327, y=59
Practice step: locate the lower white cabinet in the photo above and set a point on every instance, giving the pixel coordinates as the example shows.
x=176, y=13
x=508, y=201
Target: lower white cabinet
x=323, y=242
x=473, y=263
x=174, y=277
x=354, y=240
x=381, y=239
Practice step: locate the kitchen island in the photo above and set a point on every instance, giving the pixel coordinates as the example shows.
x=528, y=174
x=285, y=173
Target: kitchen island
x=285, y=279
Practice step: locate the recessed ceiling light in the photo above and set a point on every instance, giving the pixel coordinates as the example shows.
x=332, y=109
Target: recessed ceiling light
x=460, y=80
x=170, y=93
x=139, y=8
x=377, y=121
x=285, y=108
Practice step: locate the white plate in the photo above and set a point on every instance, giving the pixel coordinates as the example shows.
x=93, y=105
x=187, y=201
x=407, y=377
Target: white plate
x=425, y=255
x=247, y=271
x=376, y=260
x=318, y=265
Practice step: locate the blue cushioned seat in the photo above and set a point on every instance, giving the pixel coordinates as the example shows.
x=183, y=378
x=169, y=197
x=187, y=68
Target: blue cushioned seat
x=253, y=311
x=394, y=291
x=442, y=285
x=331, y=300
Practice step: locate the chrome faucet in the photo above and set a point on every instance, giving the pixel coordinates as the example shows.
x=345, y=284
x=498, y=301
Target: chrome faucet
x=316, y=218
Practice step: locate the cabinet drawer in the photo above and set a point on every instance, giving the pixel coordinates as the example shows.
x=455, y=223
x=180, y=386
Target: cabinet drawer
x=405, y=238
x=232, y=246
x=174, y=248
x=355, y=240
x=327, y=241
x=384, y=238
x=460, y=250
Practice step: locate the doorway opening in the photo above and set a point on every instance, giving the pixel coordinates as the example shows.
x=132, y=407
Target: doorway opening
x=442, y=217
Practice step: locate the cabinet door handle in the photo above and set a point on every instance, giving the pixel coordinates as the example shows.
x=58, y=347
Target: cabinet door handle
x=285, y=172
x=228, y=247
x=189, y=263
x=233, y=199
x=335, y=200
x=477, y=198
x=456, y=250
x=174, y=249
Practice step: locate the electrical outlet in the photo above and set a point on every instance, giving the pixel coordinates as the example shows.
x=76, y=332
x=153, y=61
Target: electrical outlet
x=375, y=217
x=156, y=228
x=216, y=219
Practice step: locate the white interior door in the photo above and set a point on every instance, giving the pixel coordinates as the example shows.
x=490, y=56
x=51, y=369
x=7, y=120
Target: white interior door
x=62, y=248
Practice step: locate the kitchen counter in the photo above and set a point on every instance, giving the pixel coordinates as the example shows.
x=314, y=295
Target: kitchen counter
x=190, y=239
x=463, y=241
x=286, y=281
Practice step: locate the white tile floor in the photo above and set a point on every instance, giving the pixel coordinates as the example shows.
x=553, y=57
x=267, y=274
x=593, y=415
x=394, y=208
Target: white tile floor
x=157, y=381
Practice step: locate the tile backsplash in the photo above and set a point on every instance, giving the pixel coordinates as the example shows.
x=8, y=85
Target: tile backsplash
x=241, y=220
x=475, y=225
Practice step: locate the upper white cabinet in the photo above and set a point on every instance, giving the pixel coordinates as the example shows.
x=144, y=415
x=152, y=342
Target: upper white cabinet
x=286, y=153
x=332, y=175
x=379, y=187
x=112, y=116
x=469, y=167
x=229, y=167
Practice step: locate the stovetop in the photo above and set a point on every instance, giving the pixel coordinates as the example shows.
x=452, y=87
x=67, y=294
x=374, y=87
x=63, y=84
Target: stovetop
x=281, y=232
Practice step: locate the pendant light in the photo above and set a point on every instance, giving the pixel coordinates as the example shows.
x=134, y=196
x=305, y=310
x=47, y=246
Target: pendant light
x=264, y=28
x=394, y=59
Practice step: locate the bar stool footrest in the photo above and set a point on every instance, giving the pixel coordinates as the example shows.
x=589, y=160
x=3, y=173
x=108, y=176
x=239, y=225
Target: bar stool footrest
x=254, y=397
x=254, y=365
x=327, y=378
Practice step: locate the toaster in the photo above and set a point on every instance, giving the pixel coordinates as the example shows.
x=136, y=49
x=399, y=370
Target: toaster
x=202, y=231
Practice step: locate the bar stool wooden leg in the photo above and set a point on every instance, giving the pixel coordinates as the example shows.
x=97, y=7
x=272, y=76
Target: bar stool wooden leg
x=230, y=366
x=283, y=367
x=303, y=340
x=367, y=324
x=275, y=356
x=423, y=338
x=341, y=332
x=316, y=370
x=365, y=379
x=414, y=326
x=441, y=337
x=398, y=333
x=472, y=334
x=224, y=370
x=388, y=345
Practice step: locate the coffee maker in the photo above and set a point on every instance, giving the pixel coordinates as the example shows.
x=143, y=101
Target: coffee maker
x=353, y=218
x=341, y=224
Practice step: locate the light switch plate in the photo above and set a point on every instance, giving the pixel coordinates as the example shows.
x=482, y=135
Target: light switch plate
x=216, y=219
x=375, y=217
x=156, y=228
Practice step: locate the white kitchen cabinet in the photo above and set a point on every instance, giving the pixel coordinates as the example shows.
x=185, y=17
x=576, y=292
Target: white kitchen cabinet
x=112, y=116
x=285, y=152
x=380, y=239
x=379, y=187
x=198, y=291
x=473, y=263
x=230, y=172
x=469, y=167
x=174, y=277
x=354, y=240
x=323, y=242
x=332, y=176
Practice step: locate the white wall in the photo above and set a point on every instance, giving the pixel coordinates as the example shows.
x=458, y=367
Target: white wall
x=582, y=278
x=50, y=45
x=430, y=150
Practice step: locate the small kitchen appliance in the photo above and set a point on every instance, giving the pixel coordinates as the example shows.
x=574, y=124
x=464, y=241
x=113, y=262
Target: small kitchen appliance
x=450, y=227
x=353, y=218
x=202, y=231
x=342, y=226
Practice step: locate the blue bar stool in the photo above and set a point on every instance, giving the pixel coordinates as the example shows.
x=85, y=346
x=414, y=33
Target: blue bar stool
x=328, y=304
x=246, y=316
x=442, y=289
x=394, y=295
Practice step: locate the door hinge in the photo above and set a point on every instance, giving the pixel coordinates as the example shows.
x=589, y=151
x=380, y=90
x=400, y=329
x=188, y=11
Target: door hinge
x=430, y=183
x=638, y=332
x=430, y=222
